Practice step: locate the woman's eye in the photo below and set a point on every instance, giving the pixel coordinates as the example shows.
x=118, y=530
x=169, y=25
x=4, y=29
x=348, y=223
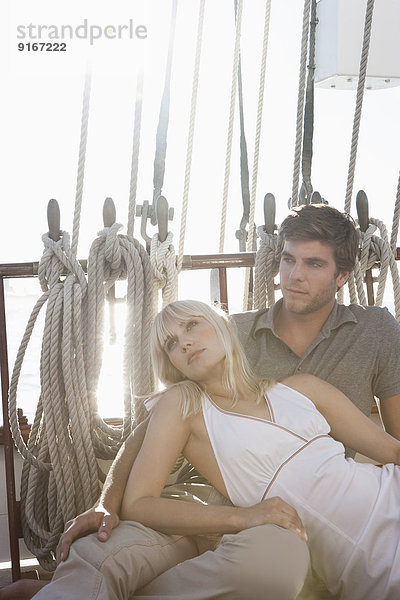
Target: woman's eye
x=190, y=324
x=170, y=344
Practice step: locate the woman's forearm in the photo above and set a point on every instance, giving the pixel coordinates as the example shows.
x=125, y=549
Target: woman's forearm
x=188, y=518
x=180, y=517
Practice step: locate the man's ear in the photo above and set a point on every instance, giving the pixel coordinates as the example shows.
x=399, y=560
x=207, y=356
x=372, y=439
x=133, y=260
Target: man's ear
x=342, y=278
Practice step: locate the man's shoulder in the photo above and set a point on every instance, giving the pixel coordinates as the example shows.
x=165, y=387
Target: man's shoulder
x=370, y=314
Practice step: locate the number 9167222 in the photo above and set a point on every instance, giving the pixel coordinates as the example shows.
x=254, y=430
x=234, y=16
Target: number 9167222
x=42, y=47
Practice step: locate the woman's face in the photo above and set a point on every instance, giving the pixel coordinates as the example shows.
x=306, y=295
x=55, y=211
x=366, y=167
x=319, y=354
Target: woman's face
x=195, y=349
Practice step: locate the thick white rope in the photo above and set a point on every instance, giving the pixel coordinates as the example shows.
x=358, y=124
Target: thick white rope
x=261, y=90
x=81, y=160
x=266, y=267
x=189, y=150
x=113, y=257
x=235, y=68
x=375, y=249
x=165, y=272
x=359, y=102
x=300, y=102
x=396, y=217
x=60, y=441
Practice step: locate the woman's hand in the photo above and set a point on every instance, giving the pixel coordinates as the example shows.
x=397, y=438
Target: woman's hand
x=95, y=519
x=275, y=511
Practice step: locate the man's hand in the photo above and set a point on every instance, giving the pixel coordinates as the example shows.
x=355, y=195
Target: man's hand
x=95, y=519
x=275, y=511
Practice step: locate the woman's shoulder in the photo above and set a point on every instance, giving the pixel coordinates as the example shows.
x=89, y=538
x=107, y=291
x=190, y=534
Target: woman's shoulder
x=168, y=398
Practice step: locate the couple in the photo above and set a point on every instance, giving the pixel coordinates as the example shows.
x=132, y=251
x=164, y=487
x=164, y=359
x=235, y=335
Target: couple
x=355, y=349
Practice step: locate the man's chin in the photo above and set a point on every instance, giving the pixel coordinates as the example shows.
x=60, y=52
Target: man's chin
x=299, y=306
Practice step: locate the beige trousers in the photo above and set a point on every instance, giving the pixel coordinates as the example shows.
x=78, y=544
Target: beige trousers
x=265, y=562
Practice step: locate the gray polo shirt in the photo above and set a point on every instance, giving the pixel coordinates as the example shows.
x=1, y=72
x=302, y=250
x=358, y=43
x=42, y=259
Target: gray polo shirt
x=357, y=350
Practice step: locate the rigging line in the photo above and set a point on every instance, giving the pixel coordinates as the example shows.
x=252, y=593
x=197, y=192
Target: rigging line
x=359, y=102
x=396, y=216
x=258, y=125
x=163, y=119
x=300, y=103
x=81, y=159
x=135, y=152
x=244, y=167
x=260, y=106
x=230, y=127
x=309, y=108
x=192, y=120
x=244, y=162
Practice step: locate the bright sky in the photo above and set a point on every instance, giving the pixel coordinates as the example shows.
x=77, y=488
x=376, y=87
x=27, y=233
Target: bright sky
x=40, y=110
x=41, y=119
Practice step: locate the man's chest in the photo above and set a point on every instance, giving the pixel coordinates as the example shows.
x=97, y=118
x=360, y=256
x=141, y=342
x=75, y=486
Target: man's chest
x=339, y=360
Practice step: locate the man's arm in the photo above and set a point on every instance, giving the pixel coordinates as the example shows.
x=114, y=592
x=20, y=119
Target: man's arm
x=103, y=516
x=348, y=424
x=390, y=411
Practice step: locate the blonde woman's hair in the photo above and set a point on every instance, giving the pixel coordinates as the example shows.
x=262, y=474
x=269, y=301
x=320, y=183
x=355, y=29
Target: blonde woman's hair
x=237, y=372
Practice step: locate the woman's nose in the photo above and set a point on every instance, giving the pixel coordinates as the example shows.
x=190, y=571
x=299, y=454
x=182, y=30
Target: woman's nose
x=185, y=344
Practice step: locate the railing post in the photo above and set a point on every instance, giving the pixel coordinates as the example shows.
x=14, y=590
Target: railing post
x=8, y=444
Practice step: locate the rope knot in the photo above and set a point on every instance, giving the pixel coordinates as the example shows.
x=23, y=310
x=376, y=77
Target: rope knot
x=165, y=272
x=162, y=254
x=58, y=259
x=112, y=246
x=268, y=240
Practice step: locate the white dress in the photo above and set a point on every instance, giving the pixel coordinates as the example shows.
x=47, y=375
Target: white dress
x=351, y=511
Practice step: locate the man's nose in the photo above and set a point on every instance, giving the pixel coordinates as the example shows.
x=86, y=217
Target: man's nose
x=297, y=271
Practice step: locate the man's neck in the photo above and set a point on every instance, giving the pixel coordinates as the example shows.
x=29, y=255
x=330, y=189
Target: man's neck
x=298, y=331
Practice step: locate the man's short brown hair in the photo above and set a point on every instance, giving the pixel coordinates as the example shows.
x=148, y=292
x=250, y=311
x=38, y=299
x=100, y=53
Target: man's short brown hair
x=327, y=225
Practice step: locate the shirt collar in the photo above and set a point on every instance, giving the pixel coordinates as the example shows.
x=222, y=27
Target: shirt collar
x=340, y=314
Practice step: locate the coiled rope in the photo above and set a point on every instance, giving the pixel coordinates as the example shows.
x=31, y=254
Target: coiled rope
x=115, y=257
x=60, y=473
x=60, y=476
x=375, y=249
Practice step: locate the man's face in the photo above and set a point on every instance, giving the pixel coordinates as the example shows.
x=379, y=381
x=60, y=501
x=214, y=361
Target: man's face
x=308, y=276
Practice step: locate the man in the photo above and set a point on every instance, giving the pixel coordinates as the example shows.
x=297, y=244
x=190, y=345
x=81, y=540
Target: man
x=353, y=348
x=356, y=349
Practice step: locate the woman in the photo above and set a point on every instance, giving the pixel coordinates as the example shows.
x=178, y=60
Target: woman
x=256, y=439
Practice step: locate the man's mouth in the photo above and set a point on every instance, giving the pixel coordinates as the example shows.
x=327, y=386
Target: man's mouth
x=295, y=291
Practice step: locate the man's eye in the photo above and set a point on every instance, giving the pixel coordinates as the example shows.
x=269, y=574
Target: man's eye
x=287, y=260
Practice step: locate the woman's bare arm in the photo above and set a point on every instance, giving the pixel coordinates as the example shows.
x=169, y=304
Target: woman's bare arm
x=348, y=424
x=166, y=437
